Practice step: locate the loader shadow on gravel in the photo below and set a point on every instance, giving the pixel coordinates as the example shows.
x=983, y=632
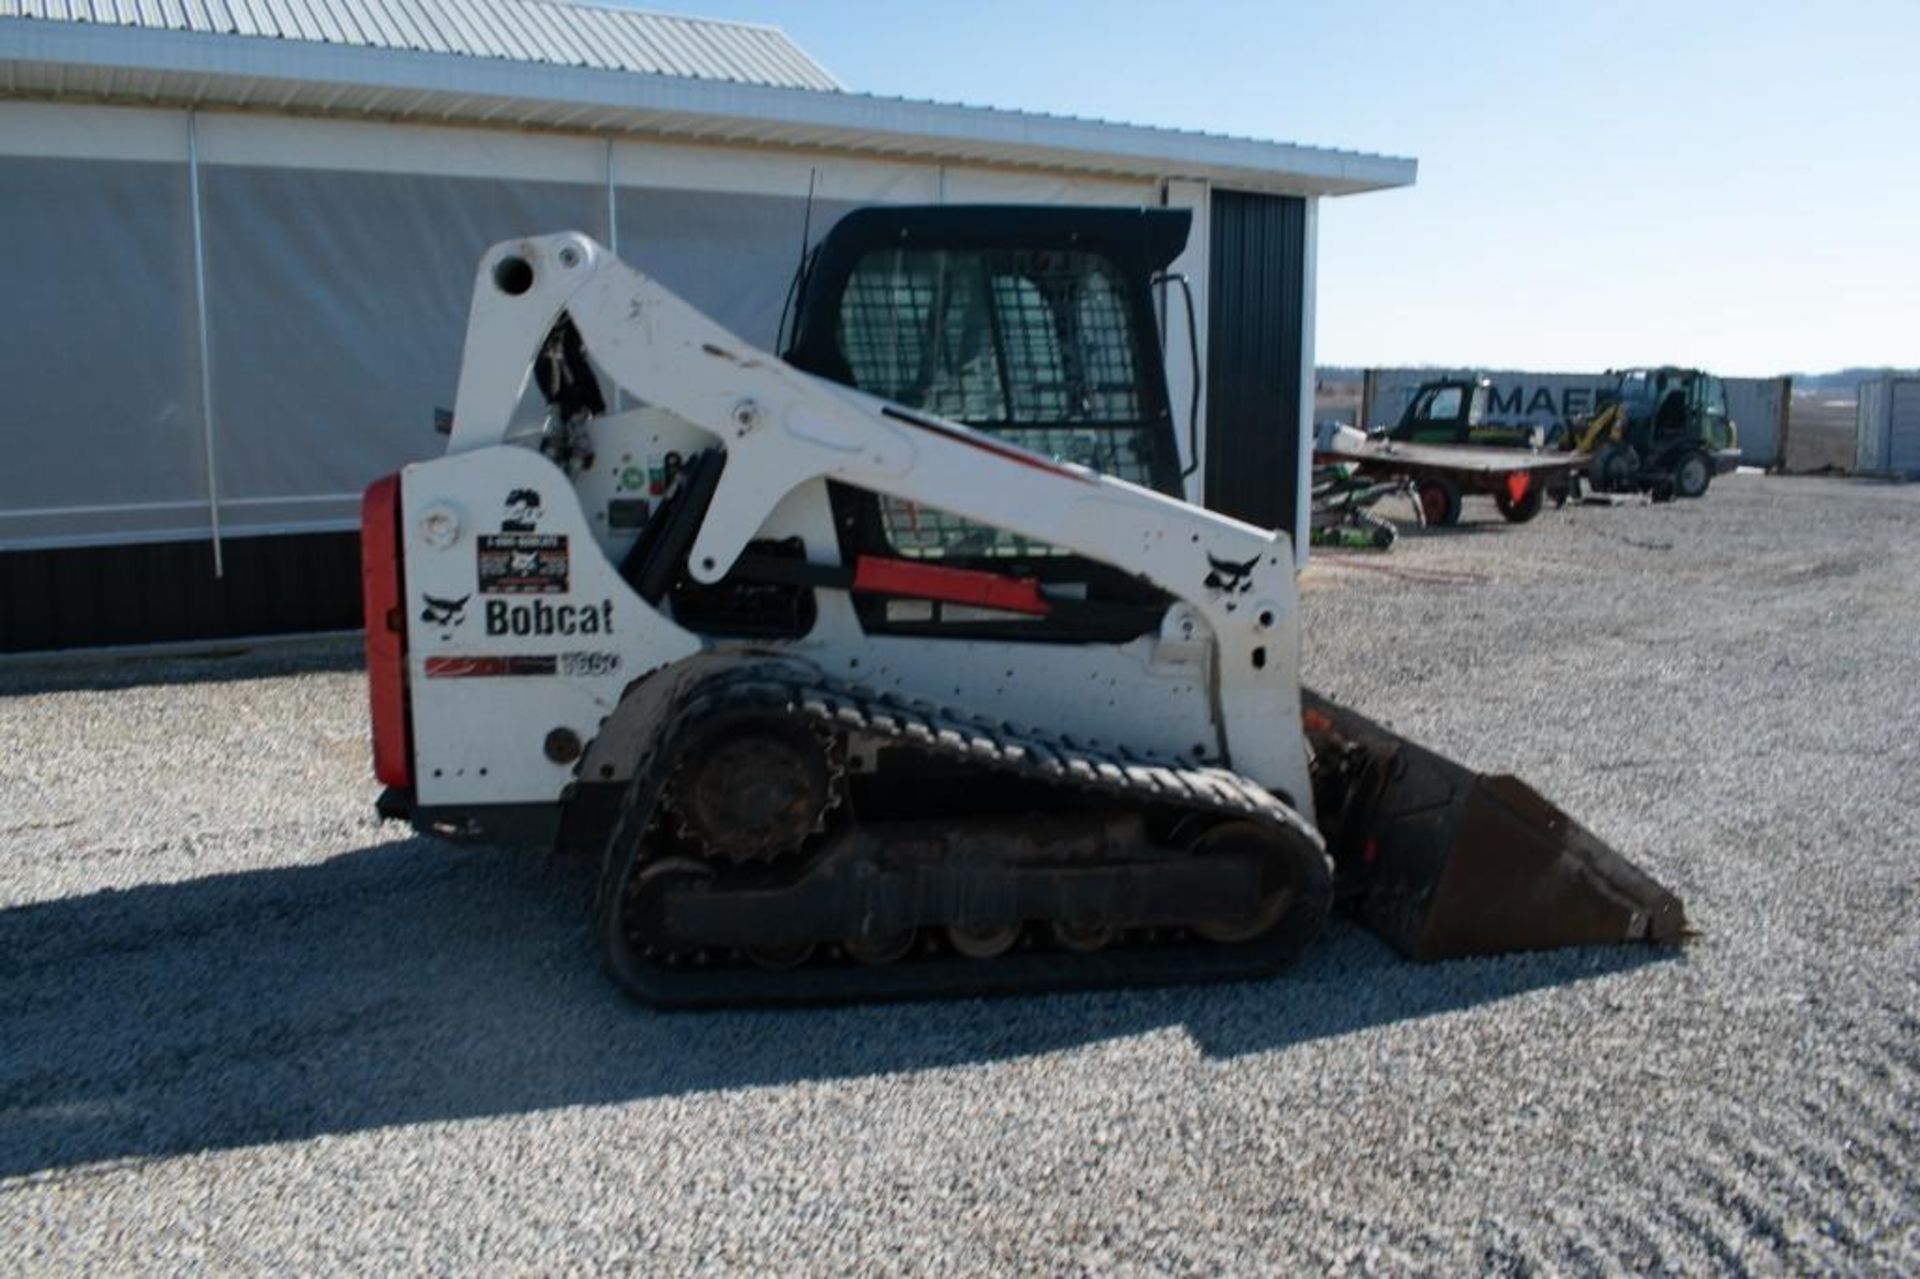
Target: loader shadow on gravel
x=413, y=982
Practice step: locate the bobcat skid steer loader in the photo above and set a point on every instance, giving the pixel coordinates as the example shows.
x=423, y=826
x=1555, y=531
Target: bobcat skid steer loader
x=862, y=701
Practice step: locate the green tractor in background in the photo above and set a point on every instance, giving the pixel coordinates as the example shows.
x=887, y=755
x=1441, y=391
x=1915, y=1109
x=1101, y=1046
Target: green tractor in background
x=1661, y=431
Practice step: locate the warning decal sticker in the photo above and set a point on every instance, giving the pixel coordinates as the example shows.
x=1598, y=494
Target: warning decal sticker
x=523, y=563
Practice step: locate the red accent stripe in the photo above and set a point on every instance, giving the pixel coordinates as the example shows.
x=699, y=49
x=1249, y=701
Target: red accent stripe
x=386, y=622
x=884, y=576
x=475, y=667
x=973, y=439
x=461, y=667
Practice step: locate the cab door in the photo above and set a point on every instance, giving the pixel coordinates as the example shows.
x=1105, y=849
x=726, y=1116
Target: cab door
x=1438, y=415
x=1716, y=428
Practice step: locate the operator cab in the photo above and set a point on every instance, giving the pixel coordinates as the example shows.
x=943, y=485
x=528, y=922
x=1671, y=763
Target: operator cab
x=1679, y=406
x=1036, y=325
x=1444, y=412
x=1454, y=411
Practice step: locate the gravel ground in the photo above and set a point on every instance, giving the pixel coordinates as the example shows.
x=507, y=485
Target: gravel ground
x=242, y=1025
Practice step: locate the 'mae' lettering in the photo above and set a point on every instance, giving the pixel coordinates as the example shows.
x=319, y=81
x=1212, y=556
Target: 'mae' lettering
x=542, y=618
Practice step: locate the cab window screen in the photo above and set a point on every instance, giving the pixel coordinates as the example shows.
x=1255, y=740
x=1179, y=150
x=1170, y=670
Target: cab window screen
x=1036, y=346
x=917, y=330
x=1105, y=344
x=993, y=337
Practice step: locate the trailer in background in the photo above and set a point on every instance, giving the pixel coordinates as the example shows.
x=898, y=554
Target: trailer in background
x=1518, y=480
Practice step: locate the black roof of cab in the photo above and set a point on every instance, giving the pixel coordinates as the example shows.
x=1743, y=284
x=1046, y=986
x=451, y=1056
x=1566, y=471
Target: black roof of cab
x=1139, y=241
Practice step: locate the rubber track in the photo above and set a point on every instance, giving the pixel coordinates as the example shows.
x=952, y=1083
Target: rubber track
x=1137, y=779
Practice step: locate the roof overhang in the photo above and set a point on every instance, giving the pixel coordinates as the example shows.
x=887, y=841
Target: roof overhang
x=99, y=62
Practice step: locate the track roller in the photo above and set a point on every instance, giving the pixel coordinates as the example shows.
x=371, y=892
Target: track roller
x=1296, y=892
x=779, y=958
x=983, y=943
x=887, y=948
x=1082, y=937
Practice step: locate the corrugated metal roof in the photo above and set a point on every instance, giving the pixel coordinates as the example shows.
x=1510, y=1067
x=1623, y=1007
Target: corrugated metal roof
x=406, y=61
x=553, y=32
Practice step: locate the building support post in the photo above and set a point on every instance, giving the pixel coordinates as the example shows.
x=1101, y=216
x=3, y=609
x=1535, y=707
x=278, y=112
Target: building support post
x=206, y=346
x=613, y=244
x=613, y=204
x=1303, y=500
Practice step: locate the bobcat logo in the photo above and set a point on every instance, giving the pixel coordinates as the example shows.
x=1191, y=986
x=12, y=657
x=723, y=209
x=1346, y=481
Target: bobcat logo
x=523, y=511
x=1228, y=577
x=445, y=614
x=523, y=563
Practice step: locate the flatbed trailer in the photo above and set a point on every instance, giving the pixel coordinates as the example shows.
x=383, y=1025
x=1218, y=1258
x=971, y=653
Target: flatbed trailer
x=1518, y=480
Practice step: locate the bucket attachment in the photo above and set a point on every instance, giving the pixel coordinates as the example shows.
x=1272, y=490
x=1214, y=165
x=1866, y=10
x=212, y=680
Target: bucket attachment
x=1443, y=862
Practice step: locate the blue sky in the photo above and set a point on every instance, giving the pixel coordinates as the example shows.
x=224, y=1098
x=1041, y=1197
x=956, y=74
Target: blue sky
x=1733, y=185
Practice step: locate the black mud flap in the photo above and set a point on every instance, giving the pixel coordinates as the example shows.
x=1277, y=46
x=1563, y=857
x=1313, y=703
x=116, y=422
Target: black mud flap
x=1444, y=862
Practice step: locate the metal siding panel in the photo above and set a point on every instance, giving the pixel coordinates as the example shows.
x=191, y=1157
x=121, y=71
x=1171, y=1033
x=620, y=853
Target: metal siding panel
x=471, y=32
x=207, y=15
x=1903, y=426
x=613, y=47
x=248, y=19
x=534, y=33
x=350, y=20
x=1758, y=407
x=158, y=592
x=372, y=24
x=1866, y=443
x=1254, y=316
x=653, y=53
x=720, y=62
x=286, y=22
x=457, y=31
x=675, y=57
x=295, y=22
x=423, y=31
x=334, y=27
x=412, y=31
x=609, y=44
x=750, y=61
x=490, y=39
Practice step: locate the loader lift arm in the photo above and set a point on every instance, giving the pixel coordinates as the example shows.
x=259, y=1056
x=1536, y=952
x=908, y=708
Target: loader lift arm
x=781, y=427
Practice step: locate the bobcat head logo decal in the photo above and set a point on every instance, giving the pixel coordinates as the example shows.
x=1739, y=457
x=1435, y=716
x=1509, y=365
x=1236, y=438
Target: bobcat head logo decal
x=443, y=613
x=1229, y=577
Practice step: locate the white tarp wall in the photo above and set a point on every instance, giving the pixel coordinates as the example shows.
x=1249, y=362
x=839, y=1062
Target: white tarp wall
x=1758, y=406
x=339, y=260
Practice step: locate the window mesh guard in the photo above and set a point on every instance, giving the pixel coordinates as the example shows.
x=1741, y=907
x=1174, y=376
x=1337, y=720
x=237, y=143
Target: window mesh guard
x=1036, y=347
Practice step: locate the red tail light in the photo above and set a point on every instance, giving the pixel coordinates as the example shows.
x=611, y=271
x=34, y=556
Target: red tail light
x=386, y=618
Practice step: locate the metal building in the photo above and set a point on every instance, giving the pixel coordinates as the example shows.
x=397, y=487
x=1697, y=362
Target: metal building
x=245, y=234
x=1887, y=431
